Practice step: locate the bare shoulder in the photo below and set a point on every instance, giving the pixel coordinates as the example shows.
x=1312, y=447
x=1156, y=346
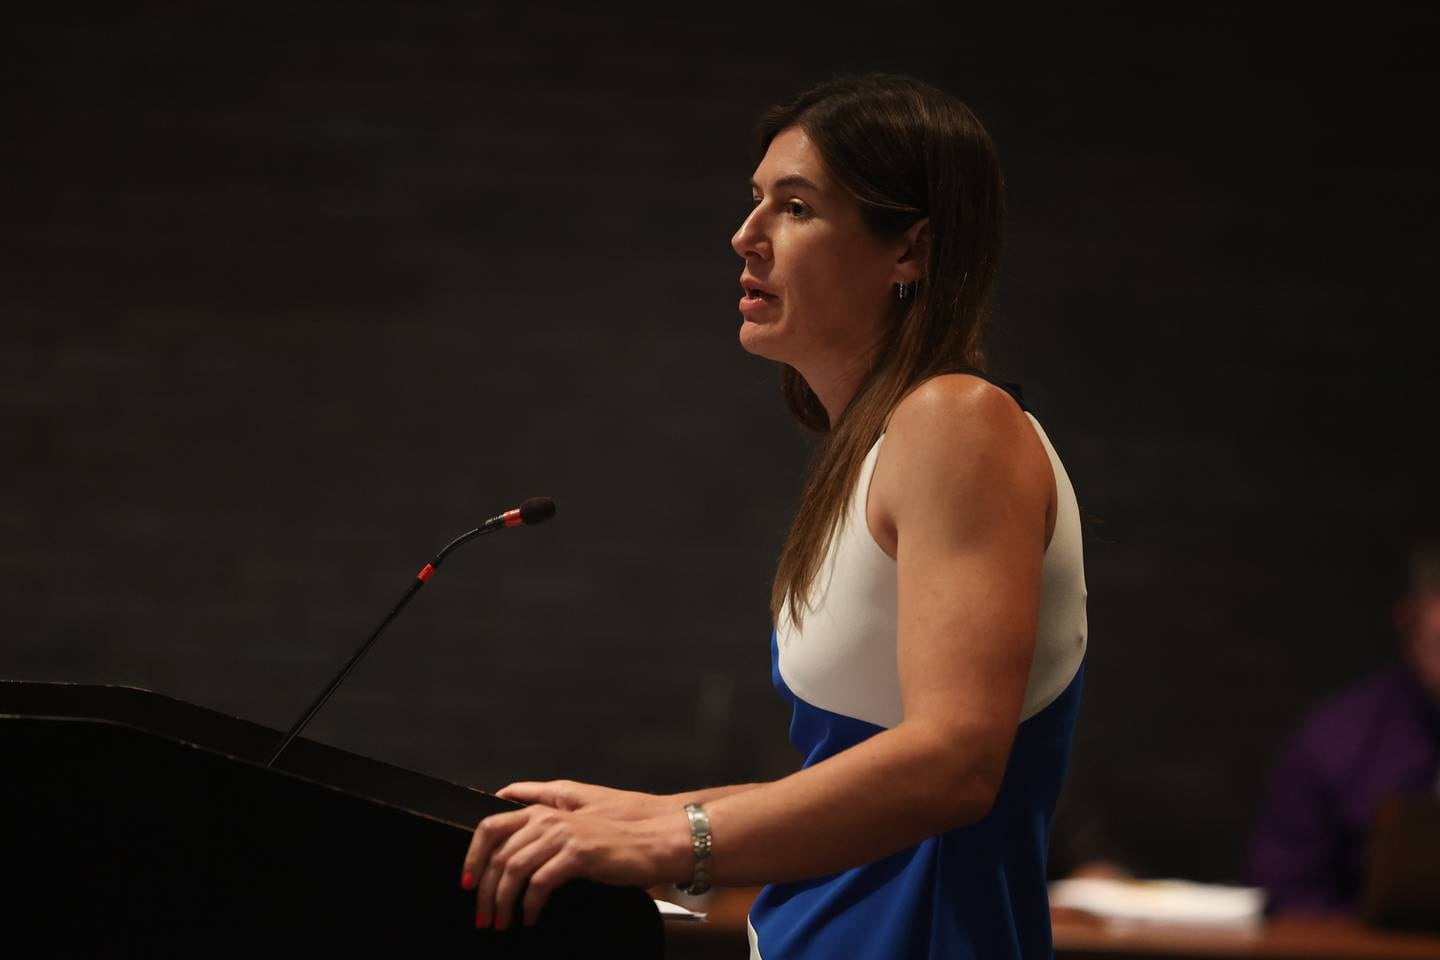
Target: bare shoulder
x=957, y=445
x=957, y=406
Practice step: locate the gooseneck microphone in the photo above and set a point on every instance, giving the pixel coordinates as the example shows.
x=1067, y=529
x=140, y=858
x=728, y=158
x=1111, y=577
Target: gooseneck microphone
x=528, y=514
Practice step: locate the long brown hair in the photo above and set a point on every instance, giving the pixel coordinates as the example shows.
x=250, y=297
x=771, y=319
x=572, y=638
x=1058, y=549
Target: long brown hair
x=905, y=151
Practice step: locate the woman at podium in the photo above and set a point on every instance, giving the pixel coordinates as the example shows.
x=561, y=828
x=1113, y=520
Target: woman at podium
x=929, y=603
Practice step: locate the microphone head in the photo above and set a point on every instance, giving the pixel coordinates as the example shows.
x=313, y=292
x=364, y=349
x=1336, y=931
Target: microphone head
x=536, y=510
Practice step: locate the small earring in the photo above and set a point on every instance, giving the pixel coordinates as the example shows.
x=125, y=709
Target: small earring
x=902, y=290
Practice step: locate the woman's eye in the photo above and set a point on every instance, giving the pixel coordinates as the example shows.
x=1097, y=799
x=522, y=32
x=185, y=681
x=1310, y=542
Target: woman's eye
x=797, y=209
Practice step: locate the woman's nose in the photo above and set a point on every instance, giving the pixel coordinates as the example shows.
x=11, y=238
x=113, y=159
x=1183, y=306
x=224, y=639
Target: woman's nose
x=748, y=239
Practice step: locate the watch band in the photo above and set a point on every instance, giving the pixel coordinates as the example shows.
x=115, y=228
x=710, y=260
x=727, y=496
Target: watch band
x=700, y=844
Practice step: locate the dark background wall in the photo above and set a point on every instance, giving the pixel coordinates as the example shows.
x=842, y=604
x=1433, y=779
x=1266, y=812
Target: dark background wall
x=292, y=294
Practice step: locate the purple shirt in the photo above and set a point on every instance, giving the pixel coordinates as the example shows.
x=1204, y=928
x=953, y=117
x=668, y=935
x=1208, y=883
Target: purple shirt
x=1377, y=738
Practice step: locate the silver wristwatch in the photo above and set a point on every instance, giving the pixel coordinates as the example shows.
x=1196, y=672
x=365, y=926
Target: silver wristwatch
x=700, y=844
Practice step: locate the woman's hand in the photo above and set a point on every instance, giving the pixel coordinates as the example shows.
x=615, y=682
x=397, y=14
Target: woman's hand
x=539, y=848
x=589, y=798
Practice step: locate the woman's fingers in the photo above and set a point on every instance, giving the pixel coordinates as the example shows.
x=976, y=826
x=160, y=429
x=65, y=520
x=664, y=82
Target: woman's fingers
x=570, y=795
x=529, y=791
x=544, y=881
x=520, y=865
x=489, y=873
x=537, y=849
x=489, y=834
x=507, y=868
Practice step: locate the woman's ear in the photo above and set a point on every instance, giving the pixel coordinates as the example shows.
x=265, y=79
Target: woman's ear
x=914, y=252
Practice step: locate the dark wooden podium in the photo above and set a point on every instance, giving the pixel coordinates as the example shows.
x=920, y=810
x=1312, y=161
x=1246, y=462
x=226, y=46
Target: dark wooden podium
x=132, y=824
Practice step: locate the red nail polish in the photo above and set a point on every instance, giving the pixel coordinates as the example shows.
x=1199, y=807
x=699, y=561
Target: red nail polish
x=500, y=923
x=467, y=881
x=481, y=921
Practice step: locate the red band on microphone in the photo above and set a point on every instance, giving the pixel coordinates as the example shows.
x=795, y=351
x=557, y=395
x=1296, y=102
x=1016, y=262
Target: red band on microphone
x=512, y=518
x=425, y=574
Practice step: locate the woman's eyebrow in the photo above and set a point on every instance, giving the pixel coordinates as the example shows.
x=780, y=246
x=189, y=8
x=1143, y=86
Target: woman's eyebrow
x=793, y=180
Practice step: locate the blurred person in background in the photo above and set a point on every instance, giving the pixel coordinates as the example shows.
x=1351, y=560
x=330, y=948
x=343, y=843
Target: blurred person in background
x=1378, y=738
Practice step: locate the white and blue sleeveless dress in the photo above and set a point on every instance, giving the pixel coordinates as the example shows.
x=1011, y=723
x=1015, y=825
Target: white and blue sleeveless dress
x=973, y=893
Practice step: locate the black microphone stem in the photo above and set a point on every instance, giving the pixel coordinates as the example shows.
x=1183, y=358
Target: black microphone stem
x=420, y=579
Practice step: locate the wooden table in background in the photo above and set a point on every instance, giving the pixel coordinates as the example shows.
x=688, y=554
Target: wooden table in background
x=1082, y=937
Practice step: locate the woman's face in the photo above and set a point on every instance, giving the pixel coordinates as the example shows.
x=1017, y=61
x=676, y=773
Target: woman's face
x=818, y=284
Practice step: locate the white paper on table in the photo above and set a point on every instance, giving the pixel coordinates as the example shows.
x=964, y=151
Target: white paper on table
x=673, y=911
x=1161, y=901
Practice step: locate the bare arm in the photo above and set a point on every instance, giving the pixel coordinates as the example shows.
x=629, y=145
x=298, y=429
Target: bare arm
x=967, y=487
x=709, y=795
